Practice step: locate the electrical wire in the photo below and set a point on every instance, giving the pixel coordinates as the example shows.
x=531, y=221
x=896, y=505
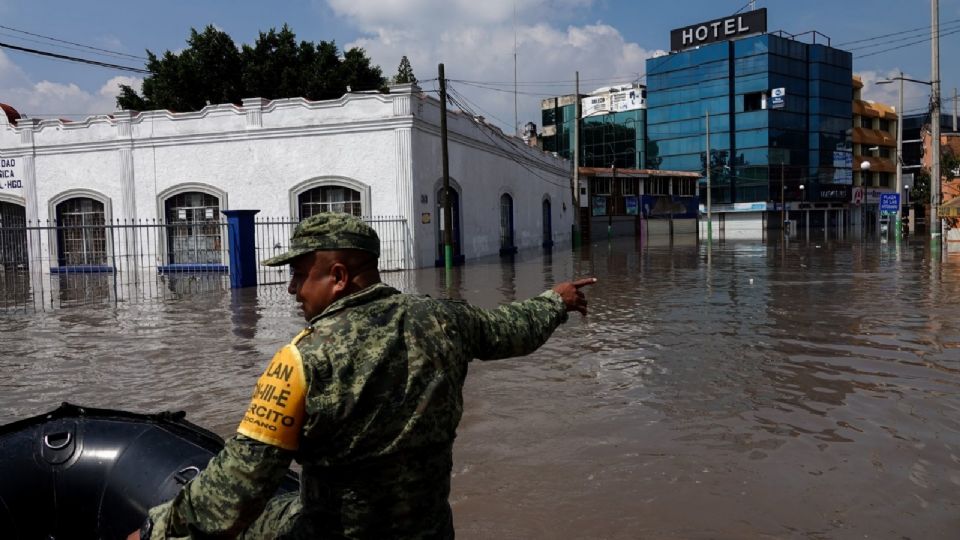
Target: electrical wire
x=884, y=36
x=456, y=99
x=116, y=53
x=74, y=59
x=21, y=38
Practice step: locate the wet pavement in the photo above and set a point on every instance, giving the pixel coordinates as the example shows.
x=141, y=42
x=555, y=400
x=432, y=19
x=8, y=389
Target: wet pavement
x=809, y=391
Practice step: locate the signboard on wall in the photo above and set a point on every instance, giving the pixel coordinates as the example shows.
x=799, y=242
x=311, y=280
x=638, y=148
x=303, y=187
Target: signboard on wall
x=599, y=205
x=752, y=22
x=605, y=103
x=11, y=174
x=592, y=105
x=627, y=100
x=843, y=167
x=778, y=98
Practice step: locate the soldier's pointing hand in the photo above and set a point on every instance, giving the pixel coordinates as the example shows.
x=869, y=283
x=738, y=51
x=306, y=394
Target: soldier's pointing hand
x=573, y=298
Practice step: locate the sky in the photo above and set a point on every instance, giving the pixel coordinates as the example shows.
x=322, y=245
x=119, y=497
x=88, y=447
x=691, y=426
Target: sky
x=607, y=41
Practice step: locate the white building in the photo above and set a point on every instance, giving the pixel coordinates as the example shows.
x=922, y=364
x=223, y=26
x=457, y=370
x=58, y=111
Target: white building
x=369, y=154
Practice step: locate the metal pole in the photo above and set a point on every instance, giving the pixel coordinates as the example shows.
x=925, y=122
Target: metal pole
x=783, y=207
x=709, y=201
x=577, y=226
x=935, y=225
x=516, y=119
x=447, y=211
x=899, y=223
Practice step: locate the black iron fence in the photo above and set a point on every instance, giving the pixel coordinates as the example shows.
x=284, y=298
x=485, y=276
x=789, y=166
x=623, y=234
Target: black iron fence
x=52, y=265
x=273, y=238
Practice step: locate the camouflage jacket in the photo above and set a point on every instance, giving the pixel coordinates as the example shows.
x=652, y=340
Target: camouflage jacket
x=384, y=374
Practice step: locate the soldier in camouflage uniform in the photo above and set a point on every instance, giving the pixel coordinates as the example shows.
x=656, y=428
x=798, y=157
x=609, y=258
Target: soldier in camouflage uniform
x=367, y=399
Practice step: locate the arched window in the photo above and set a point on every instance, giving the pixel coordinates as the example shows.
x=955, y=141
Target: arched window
x=329, y=199
x=193, y=232
x=81, y=235
x=506, y=224
x=13, y=236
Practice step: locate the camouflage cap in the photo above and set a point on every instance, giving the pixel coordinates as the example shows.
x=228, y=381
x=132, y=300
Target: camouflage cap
x=326, y=232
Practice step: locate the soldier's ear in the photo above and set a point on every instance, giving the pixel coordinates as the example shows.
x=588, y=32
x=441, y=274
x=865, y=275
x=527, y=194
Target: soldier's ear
x=340, y=275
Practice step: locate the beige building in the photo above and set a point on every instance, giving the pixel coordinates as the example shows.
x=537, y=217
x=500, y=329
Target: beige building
x=874, y=142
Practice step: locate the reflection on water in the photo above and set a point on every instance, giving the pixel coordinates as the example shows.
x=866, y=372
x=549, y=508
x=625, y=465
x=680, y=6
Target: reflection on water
x=804, y=392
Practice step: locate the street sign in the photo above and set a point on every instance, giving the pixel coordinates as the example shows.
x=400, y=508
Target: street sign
x=889, y=202
x=858, y=194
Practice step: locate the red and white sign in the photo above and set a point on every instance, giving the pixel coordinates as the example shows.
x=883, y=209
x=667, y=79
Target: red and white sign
x=857, y=196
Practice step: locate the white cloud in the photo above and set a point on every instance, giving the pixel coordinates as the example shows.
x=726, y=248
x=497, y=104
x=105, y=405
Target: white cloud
x=915, y=96
x=10, y=74
x=475, y=41
x=47, y=98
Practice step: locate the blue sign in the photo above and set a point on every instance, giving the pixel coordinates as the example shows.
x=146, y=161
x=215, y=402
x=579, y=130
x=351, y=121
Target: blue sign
x=889, y=202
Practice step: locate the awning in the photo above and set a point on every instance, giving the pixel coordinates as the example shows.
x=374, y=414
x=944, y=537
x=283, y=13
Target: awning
x=950, y=208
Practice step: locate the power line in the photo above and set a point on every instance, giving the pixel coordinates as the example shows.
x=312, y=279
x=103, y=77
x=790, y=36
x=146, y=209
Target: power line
x=74, y=59
x=924, y=40
x=21, y=38
x=919, y=28
x=452, y=97
x=116, y=53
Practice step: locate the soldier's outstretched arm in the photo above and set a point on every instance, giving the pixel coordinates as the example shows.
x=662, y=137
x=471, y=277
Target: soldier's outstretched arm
x=520, y=328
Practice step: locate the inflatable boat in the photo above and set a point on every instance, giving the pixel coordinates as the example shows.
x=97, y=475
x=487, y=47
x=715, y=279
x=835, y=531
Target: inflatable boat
x=79, y=472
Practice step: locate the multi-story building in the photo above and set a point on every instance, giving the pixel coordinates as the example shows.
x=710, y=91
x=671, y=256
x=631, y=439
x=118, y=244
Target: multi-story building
x=612, y=131
x=874, y=144
x=780, y=130
x=619, y=196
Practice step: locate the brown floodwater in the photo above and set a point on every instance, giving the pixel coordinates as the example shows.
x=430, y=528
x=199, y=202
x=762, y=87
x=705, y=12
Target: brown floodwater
x=805, y=392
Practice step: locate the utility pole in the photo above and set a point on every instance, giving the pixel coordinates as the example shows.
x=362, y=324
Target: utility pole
x=709, y=209
x=783, y=208
x=516, y=119
x=577, y=226
x=899, y=224
x=447, y=210
x=954, y=110
x=936, y=226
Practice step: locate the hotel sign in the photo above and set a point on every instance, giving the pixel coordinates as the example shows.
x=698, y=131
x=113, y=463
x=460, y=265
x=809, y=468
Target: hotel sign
x=752, y=22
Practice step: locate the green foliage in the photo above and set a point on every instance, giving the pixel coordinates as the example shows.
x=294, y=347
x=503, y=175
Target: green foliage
x=920, y=190
x=949, y=162
x=213, y=70
x=404, y=73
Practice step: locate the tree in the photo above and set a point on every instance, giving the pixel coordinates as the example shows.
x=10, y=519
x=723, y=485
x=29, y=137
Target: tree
x=213, y=70
x=404, y=73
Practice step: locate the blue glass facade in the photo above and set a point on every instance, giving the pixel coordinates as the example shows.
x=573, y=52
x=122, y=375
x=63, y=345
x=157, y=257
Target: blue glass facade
x=807, y=140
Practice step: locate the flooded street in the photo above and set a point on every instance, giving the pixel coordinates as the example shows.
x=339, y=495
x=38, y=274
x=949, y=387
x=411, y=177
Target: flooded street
x=806, y=392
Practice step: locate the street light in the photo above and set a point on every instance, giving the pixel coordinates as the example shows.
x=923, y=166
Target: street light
x=806, y=213
x=906, y=189
x=901, y=78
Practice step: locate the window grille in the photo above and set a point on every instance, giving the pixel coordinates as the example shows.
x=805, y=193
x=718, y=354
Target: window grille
x=600, y=186
x=194, y=237
x=81, y=237
x=330, y=199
